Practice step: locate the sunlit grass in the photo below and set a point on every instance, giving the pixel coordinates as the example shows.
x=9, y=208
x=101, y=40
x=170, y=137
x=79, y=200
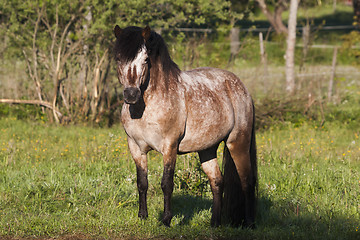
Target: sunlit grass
x=58, y=181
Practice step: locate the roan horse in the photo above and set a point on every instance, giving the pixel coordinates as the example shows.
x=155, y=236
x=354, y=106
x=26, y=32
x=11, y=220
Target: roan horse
x=176, y=112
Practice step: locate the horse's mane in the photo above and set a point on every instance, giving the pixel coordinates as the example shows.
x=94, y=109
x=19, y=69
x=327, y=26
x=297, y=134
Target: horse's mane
x=130, y=42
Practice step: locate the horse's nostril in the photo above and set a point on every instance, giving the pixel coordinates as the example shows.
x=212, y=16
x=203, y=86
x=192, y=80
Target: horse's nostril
x=131, y=95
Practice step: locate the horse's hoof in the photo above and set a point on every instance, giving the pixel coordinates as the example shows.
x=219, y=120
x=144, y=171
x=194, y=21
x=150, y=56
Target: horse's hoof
x=250, y=225
x=166, y=220
x=143, y=215
x=215, y=223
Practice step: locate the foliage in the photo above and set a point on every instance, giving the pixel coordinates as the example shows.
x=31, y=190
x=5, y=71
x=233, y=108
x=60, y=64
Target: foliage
x=66, y=46
x=51, y=38
x=191, y=179
x=165, y=13
x=24, y=112
x=351, y=46
x=198, y=50
x=87, y=47
x=271, y=111
x=18, y=17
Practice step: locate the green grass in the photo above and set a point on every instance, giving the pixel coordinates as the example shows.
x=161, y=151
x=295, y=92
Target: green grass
x=80, y=182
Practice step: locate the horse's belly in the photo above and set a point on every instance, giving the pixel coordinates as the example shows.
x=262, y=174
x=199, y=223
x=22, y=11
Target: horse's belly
x=207, y=128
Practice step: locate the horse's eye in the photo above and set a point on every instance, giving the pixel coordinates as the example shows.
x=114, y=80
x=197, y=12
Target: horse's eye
x=117, y=58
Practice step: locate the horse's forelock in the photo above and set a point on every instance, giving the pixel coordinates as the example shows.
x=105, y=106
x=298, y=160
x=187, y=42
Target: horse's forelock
x=128, y=44
x=131, y=41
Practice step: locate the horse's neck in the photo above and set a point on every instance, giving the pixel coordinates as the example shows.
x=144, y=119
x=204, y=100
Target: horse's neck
x=162, y=81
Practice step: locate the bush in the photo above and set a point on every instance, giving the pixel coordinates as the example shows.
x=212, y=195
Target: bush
x=22, y=112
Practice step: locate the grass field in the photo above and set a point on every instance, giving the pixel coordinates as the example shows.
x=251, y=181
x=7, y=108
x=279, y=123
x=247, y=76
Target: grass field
x=75, y=182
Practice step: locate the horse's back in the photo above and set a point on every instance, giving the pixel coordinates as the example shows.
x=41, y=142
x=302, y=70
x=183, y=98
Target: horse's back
x=216, y=102
x=214, y=78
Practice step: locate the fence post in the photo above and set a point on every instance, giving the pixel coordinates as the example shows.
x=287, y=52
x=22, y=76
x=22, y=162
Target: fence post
x=234, y=43
x=306, y=42
x=332, y=77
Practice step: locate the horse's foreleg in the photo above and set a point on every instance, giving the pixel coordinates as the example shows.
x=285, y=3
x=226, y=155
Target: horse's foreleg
x=142, y=180
x=211, y=168
x=167, y=183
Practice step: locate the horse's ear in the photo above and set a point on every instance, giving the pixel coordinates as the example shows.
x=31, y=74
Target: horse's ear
x=146, y=33
x=117, y=31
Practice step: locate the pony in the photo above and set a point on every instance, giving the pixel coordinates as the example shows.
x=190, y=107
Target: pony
x=177, y=112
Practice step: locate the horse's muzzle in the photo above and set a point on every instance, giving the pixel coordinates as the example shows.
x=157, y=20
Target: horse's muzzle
x=131, y=95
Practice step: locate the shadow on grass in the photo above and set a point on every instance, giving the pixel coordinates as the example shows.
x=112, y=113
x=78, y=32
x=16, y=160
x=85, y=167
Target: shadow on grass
x=275, y=220
x=187, y=206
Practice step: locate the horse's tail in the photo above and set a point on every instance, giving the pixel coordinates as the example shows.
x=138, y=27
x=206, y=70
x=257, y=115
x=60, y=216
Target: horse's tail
x=234, y=206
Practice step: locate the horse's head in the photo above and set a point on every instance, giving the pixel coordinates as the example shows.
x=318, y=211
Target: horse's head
x=132, y=60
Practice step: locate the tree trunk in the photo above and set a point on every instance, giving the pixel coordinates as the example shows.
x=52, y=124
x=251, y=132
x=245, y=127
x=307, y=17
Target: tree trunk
x=82, y=92
x=96, y=85
x=281, y=28
x=290, y=51
x=356, y=5
x=274, y=18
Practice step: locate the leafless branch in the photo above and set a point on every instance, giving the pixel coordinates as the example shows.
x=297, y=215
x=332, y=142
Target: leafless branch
x=33, y=102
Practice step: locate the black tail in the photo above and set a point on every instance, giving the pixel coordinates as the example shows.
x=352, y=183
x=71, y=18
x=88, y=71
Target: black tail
x=234, y=207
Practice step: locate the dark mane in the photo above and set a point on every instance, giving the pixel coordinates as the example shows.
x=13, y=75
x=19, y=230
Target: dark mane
x=130, y=42
x=158, y=51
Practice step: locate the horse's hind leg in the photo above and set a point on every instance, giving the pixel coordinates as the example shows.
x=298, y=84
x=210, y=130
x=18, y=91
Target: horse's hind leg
x=211, y=168
x=142, y=180
x=239, y=150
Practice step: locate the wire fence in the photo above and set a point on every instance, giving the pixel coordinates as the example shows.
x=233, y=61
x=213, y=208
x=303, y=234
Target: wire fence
x=260, y=29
